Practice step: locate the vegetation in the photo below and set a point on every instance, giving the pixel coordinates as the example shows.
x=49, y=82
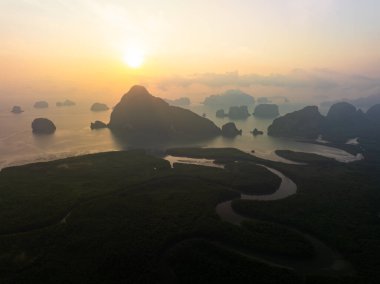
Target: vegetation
x=200, y=261
x=308, y=158
x=296, y=245
x=264, y=183
x=337, y=202
x=123, y=216
x=129, y=217
x=37, y=195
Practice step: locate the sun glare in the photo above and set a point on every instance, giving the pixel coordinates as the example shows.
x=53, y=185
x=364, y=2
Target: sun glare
x=134, y=58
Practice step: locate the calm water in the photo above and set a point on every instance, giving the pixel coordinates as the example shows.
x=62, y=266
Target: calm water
x=74, y=137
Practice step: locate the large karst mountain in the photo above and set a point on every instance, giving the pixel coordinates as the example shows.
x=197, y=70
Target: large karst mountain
x=342, y=122
x=140, y=113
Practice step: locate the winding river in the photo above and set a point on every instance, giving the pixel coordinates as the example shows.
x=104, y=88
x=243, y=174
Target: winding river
x=326, y=260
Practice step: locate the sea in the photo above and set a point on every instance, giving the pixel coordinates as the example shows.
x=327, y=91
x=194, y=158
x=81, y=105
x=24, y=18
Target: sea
x=73, y=137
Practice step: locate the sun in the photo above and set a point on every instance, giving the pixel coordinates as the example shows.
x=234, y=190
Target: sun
x=134, y=57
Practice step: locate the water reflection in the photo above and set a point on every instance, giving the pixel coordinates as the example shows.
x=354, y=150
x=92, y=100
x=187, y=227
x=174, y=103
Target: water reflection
x=43, y=141
x=74, y=137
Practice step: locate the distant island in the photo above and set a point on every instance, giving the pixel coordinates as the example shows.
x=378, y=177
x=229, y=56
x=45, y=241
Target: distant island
x=65, y=103
x=140, y=113
x=240, y=112
x=264, y=100
x=229, y=98
x=221, y=113
x=256, y=132
x=181, y=102
x=266, y=111
x=234, y=112
x=41, y=104
x=364, y=102
x=98, y=125
x=99, y=107
x=17, y=109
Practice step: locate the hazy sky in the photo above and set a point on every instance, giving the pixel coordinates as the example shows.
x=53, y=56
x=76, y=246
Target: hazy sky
x=54, y=49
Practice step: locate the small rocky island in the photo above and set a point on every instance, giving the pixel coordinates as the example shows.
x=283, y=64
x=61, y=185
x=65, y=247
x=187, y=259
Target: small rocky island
x=66, y=103
x=141, y=114
x=235, y=112
x=41, y=104
x=266, y=111
x=220, y=113
x=256, y=132
x=99, y=107
x=43, y=126
x=98, y=125
x=263, y=100
x=181, y=102
x=17, y=109
x=229, y=130
x=240, y=112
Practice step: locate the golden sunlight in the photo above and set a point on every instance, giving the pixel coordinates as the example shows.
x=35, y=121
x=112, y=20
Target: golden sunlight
x=134, y=57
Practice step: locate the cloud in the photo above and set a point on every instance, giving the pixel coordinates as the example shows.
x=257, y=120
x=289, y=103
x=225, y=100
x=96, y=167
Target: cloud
x=314, y=83
x=295, y=79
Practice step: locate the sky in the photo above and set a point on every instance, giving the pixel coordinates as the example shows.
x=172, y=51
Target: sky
x=82, y=49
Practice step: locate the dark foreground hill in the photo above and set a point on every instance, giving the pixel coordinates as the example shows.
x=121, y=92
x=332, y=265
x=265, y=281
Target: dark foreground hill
x=140, y=113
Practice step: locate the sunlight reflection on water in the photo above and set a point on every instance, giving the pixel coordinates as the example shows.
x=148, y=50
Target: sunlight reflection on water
x=73, y=137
